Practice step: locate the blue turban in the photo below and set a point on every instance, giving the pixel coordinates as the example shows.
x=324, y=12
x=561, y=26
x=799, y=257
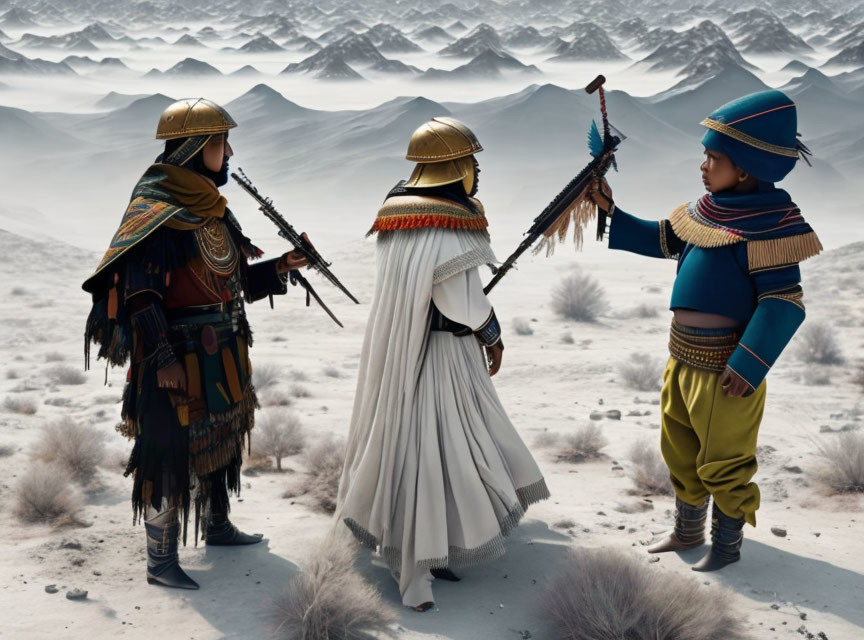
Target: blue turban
x=758, y=132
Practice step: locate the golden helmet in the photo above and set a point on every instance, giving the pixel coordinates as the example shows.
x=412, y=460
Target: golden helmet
x=443, y=150
x=193, y=117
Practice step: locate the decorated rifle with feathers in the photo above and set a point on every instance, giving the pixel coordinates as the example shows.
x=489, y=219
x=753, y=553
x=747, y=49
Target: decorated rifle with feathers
x=300, y=244
x=573, y=202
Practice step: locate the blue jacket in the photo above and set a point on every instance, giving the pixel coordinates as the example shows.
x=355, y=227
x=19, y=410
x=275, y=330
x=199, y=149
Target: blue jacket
x=732, y=280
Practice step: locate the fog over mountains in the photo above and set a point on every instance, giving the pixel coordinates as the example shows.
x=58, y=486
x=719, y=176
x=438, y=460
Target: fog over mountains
x=329, y=92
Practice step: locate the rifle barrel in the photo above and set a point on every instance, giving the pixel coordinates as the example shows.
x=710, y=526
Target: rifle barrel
x=597, y=167
x=314, y=259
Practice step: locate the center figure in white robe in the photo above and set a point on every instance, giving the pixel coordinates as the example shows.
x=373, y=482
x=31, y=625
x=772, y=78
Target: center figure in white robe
x=435, y=474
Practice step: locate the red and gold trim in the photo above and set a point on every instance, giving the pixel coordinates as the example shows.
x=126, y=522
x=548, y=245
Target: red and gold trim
x=419, y=212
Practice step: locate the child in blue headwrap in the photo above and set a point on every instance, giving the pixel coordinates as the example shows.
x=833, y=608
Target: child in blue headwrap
x=736, y=303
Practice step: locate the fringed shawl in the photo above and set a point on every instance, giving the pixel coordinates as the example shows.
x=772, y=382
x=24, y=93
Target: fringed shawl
x=768, y=221
x=403, y=212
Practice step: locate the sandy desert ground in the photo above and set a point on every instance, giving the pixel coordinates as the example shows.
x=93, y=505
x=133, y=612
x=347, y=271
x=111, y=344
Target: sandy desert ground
x=809, y=577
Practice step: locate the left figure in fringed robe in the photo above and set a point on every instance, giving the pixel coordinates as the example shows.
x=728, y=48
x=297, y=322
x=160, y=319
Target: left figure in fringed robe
x=435, y=473
x=168, y=297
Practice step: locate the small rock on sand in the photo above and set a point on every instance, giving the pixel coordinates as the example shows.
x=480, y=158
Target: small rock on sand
x=51, y=588
x=76, y=594
x=780, y=532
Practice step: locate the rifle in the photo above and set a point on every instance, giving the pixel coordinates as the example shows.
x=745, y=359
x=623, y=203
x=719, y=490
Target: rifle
x=572, y=201
x=314, y=259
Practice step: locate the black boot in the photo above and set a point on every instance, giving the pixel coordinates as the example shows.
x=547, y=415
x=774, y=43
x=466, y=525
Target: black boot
x=220, y=532
x=163, y=565
x=726, y=539
x=689, y=531
x=445, y=574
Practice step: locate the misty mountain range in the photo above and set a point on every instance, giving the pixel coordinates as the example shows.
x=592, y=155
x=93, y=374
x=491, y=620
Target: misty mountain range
x=344, y=41
x=534, y=134
x=534, y=138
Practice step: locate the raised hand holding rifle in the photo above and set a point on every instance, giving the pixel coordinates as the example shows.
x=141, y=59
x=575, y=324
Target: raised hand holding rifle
x=304, y=253
x=576, y=201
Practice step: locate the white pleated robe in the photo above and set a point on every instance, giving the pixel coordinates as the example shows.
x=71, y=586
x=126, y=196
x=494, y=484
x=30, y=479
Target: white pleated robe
x=435, y=473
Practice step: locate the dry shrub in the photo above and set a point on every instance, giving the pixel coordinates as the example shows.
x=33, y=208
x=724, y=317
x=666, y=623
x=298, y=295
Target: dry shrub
x=817, y=344
x=64, y=374
x=649, y=472
x=329, y=600
x=641, y=372
x=12, y=374
x=21, y=406
x=547, y=439
x=256, y=463
x=858, y=378
x=605, y=594
x=278, y=433
x=298, y=375
x=77, y=449
x=579, y=297
x=842, y=468
x=265, y=375
x=276, y=398
x=332, y=371
x=584, y=444
x=565, y=523
x=324, y=464
x=522, y=327
x=43, y=494
x=115, y=459
x=639, y=311
x=567, y=338
x=54, y=356
x=6, y=450
x=299, y=391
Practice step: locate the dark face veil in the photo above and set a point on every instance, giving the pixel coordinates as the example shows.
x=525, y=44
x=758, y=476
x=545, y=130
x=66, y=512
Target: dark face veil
x=187, y=152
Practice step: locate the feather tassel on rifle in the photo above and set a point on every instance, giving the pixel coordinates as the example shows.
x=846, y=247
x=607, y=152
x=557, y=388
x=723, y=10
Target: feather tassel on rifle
x=581, y=212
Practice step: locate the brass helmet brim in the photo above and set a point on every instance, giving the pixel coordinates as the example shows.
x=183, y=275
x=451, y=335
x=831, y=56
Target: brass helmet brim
x=442, y=139
x=193, y=117
x=436, y=174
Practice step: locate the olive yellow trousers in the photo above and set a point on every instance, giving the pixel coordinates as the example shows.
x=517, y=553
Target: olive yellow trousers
x=708, y=440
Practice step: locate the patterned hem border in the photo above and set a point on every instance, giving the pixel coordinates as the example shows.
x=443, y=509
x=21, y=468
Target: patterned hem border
x=460, y=556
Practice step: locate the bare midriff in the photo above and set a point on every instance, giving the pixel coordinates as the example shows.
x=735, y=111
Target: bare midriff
x=690, y=318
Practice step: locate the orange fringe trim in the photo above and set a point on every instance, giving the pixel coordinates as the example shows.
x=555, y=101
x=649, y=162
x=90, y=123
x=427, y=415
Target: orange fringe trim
x=423, y=221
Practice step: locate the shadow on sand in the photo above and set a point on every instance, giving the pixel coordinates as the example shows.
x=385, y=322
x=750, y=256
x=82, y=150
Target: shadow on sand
x=768, y=574
x=237, y=588
x=472, y=609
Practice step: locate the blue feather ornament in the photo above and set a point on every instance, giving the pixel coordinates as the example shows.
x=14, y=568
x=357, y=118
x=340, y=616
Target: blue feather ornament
x=595, y=141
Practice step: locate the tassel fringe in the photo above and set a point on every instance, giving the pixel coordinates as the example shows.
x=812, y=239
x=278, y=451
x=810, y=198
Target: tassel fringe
x=761, y=254
x=699, y=233
x=781, y=251
x=419, y=212
x=581, y=212
x=415, y=221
